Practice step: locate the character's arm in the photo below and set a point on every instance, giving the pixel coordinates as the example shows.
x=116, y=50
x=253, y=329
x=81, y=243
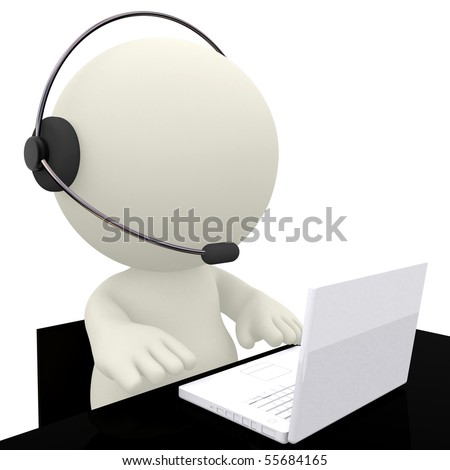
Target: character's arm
x=128, y=352
x=257, y=315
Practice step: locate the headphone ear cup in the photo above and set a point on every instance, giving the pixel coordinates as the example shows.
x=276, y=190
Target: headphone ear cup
x=63, y=153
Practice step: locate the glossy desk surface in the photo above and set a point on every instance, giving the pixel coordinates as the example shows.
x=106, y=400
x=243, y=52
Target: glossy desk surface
x=414, y=416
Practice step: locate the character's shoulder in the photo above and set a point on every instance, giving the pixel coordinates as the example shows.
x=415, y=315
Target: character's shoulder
x=111, y=284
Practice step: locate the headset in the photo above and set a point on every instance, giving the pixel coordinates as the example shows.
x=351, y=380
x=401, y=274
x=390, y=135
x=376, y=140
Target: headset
x=52, y=153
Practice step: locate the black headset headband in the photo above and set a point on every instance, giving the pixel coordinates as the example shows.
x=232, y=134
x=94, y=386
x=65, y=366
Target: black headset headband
x=94, y=28
x=38, y=149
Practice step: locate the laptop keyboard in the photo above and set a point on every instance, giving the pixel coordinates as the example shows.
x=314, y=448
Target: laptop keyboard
x=276, y=401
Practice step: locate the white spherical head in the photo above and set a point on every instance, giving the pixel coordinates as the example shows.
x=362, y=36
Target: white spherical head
x=176, y=142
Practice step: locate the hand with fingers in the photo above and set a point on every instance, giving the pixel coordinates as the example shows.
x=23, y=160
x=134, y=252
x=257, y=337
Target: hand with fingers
x=135, y=352
x=264, y=318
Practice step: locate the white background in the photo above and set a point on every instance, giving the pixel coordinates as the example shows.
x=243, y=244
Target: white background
x=361, y=99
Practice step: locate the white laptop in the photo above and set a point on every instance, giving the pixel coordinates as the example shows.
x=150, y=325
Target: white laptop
x=356, y=346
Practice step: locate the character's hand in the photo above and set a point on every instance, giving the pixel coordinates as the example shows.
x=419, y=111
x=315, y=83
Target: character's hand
x=264, y=318
x=134, y=351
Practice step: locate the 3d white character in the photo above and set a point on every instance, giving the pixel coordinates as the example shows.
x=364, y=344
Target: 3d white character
x=170, y=128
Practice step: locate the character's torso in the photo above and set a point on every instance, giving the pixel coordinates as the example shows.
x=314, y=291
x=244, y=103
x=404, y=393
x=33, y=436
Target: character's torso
x=184, y=304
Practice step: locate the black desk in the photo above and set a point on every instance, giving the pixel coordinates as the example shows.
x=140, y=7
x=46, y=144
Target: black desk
x=414, y=416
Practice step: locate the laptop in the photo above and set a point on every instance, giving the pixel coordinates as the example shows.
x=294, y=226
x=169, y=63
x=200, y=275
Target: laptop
x=356, y=346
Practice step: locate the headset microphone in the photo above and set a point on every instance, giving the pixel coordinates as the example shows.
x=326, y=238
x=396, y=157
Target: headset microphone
x=52, y=153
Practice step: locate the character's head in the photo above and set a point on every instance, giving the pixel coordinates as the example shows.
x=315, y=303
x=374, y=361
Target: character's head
x=168, y=129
